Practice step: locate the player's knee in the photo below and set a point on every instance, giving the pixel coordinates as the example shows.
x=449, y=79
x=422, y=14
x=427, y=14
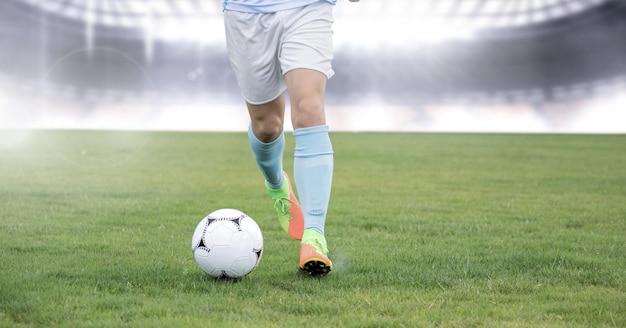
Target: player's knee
x=308, y=111
x=267, y=131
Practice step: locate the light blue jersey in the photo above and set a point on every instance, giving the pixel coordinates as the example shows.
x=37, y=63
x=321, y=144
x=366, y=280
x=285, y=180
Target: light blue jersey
x=268, y=6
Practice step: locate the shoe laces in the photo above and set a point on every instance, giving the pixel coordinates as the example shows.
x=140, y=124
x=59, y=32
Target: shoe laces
x=282, y=205
x=318, y=245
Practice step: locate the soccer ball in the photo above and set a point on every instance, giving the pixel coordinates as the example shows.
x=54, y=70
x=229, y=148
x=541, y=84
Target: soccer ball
x=227, y=244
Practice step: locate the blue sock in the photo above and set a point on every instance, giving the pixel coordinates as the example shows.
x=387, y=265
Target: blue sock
x=313, y=174
x=269, y=158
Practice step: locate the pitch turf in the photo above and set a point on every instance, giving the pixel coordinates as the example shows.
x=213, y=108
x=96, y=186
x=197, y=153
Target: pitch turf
x=424, y=230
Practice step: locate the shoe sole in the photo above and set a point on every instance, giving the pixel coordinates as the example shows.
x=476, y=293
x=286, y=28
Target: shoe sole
x=316, y=267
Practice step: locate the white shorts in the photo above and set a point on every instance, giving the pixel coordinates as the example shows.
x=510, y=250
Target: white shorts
x=262, y=48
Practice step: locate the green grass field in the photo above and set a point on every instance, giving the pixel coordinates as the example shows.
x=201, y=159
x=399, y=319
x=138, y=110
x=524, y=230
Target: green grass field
x=449, y=230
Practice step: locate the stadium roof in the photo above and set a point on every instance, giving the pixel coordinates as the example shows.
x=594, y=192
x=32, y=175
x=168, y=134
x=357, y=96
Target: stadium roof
x=178, y=19
x=558, y=43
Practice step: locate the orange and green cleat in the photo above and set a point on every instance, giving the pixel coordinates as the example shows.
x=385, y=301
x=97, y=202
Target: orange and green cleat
x=288, y=208
x=314, y=254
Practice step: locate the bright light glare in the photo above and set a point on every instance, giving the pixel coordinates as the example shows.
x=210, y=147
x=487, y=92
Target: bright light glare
x=197, y=29
x=12, y=138
x=466, y=118
x=371, y=33
x=602, y=116
x=373, y=114
x=397, y=31
x=392, y=21
x=368, y=31
x=10, y=135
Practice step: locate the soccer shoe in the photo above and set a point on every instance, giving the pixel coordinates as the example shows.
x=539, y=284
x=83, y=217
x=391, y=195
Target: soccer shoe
x=313, y=254
x=288, y=208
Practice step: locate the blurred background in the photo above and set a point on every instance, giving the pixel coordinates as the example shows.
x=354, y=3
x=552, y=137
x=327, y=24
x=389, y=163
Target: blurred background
x=531, y=66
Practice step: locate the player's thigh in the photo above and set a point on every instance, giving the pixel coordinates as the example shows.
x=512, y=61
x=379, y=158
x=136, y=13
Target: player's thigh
x=307, y=41
x=305, y=83
x=253, y=41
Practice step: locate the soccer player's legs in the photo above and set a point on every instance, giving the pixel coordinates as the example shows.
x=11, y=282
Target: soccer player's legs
x=268, y=155
x=306, y=57
x=258, y=72
x=313, y=156
x=313, y=169
x=267, y=141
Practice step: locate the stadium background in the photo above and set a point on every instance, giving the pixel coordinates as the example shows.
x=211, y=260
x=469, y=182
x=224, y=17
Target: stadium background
x=404, y=65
